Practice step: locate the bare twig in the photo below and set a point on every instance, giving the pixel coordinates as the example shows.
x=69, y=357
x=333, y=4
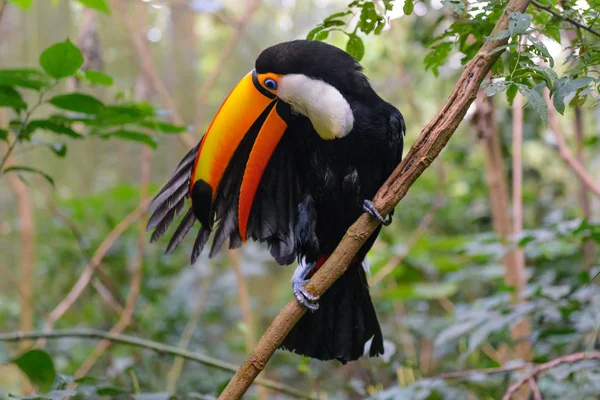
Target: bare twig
x=584, y=199
x=534, y=389
x=88, y=272
x=147, y=66
x=427, y=147
x=26, y=244
x=150, y=345
x=522, y=330
x=558, y=15
x=136, y=275
x=535, y=372
x=485, y=371
x=564, y=151
x=188, y=332
x=211, y=80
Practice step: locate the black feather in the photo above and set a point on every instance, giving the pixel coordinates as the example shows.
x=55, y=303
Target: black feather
x=184, y=227
x=201, y=239
x=170, y=214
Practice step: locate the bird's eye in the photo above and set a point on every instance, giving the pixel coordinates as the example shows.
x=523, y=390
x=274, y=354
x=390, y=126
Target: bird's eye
x=270, y=84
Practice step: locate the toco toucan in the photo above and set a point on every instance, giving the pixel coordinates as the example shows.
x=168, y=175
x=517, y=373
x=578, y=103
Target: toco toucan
x=292, y=158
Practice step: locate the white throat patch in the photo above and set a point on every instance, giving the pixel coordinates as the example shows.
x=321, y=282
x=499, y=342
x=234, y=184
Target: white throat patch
x=324, y=105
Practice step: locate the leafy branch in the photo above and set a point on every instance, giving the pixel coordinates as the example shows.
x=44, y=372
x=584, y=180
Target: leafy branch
x=150, y=345
x=564, y=17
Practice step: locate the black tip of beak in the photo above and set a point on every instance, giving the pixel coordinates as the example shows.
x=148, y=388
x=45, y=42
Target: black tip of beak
x=202, y=195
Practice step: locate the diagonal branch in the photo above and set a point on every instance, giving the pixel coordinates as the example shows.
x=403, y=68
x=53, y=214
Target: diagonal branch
x=535, y=372
x=426, y=148
x=558, y=15
x=566, y=153
x=150, y=345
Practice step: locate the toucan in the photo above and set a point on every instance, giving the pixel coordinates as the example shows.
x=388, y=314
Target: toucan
x=291, y=159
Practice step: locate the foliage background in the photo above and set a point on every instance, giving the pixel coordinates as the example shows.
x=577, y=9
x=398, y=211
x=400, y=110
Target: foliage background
x=443, y=298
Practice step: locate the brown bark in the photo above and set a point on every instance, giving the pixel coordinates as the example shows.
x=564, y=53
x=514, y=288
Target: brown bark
x=426, y=148
x=584, y=199
x=26, y=243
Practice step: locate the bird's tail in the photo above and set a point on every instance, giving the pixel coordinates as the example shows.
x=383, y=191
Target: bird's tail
x=343, y=324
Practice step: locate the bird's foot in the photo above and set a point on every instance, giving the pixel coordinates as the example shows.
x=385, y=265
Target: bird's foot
x=299, y=281
x=302, y=295
x=369, y=207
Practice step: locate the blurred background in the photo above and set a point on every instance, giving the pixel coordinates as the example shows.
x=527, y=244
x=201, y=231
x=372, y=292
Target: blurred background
x=442, y=275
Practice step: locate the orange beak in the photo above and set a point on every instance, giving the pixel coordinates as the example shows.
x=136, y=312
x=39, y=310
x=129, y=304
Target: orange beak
x=245, y=105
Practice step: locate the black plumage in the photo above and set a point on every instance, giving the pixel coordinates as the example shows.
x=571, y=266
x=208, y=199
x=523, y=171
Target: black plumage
x=311, y=191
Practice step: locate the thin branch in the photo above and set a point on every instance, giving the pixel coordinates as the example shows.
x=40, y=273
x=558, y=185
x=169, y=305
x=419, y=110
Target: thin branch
x=564, y=151
x=558, y=15
x=426, y=148
x=150, y=345
x=188, y=332
x=485, y=371
x=147, y=66
x=88, y=272
x=535, y=372
x=228, y=48
x=136, y=274
x=537, y=395
x=26, y=242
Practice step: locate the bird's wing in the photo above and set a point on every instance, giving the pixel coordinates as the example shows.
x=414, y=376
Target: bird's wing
x=272, y=215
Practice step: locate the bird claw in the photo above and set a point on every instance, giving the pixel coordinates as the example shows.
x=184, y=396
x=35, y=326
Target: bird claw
x=369, y=207
x=302, y=295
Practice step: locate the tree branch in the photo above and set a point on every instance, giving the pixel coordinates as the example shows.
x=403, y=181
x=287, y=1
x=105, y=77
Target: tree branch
x=564, y=151
x=549, y=9
x=426, y=148
x=535, y=372
x=150, y=345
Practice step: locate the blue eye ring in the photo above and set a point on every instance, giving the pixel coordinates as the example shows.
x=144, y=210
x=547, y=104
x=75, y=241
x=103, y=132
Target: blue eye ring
x=270, y=84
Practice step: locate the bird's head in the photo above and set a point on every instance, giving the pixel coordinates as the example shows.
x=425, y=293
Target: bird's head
x=310, y=78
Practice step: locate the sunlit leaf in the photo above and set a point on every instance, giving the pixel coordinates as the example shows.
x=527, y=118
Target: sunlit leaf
x=98, y=78
x=518, y=23
x=61, y=60
x=26, y=78
x=98, y=5
x=355, y=47
x=78, y=102
x=36, y=364
x=53, y=126
x=135, y=137
x=564, y=87
x=24, y=4
x=9, y=97
x=457, y=6
x=409, y=6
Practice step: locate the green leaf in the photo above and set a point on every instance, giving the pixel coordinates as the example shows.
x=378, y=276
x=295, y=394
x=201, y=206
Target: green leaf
x=163, y=127
x=9, y=97
x=536, y=101
x=500, y=35
x=409, y=6
x=24, y=4
x=337, y=15
x=518, y=23
x=18, y=168
x=98, y=5
x=3, y=135
x=60, y=149
x=61, y=60
x=495, y=87
x=322, y=35
x=55, y=126
x=355, y=47
x=457, y=6
x=36, y=364
x=26, y=78
x=541, y=48
x=311, y=35
x=78, y=102
x=333, y=22
x=368, y=17
x=97, y=77
x=136, y=137
x=563, y=87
